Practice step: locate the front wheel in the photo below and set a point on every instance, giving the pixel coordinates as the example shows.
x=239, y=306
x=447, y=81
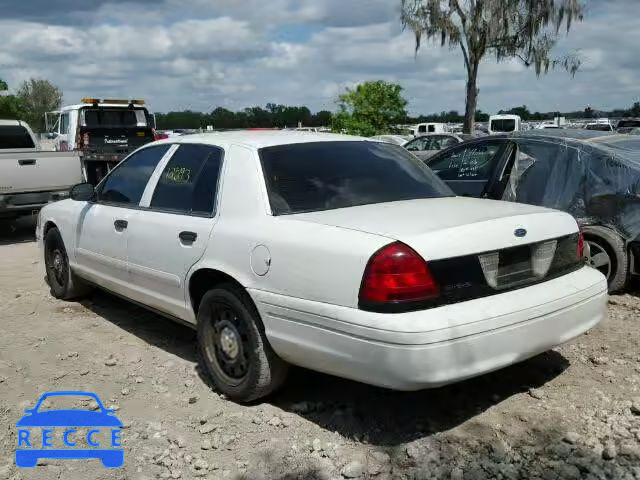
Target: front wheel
x=233, y=346
x=608, y=254
x=64, y=284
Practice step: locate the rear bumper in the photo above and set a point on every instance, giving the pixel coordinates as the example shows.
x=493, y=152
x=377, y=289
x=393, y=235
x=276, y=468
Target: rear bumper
x=17, y=204
x=437, y=346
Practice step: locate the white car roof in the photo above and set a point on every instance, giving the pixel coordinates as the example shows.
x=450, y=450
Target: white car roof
x=261, y=139
x=10, y=123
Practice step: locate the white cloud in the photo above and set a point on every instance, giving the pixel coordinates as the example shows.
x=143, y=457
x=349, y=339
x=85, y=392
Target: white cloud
x=204, y=53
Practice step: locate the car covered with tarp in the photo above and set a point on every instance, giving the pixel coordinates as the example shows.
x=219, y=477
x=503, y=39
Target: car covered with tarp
x=593, y=175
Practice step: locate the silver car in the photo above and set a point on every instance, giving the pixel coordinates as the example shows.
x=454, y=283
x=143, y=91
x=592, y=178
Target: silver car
x=425, y=146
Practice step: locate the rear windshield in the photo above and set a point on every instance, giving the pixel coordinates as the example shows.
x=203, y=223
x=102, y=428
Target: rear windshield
x=506, y=125
x=114, y=117
x=308, y=177
x=15, y=136
x=628, y=123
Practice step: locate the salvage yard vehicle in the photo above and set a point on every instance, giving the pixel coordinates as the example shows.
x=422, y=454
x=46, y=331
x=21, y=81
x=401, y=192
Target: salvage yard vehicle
x=325, y=251
x=593, y=175
x=504, y=123
x=30, y=177
x=626, y=125
x=103, y=132
x=428, y=145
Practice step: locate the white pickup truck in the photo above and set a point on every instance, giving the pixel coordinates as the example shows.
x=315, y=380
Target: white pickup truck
x=29, y=177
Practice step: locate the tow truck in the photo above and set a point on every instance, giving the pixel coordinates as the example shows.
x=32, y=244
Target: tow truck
x=103, y=132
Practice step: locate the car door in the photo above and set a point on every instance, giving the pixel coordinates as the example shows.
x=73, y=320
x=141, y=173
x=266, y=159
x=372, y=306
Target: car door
x=170, y=233
x=469, y=168
x=102, y=232
x=63, y=132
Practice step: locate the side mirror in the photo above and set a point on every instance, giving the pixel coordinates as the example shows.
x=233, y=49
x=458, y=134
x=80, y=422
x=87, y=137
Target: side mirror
x=82, y=192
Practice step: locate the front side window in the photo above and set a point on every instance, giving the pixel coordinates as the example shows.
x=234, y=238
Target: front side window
x=15, y=136
x=64, y=123
x=316, y=176
x=189, y=182
x=126, y=183
x=473, y=162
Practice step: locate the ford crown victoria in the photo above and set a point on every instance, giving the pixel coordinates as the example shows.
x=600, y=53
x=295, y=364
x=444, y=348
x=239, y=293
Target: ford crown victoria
x=329, y=252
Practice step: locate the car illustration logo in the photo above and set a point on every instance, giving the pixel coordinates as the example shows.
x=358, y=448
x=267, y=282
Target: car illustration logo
x=520, y=232
x=36, y=438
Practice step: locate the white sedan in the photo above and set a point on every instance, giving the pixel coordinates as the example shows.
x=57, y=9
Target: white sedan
x=330, y=252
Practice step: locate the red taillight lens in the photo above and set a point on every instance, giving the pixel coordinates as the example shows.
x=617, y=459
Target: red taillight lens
x=396, y=273
x=580, y=245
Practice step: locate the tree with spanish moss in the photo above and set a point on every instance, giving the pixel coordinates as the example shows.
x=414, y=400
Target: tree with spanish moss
x=526, y=30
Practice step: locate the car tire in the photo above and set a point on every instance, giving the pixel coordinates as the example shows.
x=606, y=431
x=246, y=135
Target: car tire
x=64, y=284
x=603, y=242
x=233, y=347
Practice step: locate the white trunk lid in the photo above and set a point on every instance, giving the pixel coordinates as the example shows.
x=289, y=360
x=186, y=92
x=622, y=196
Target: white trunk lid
x=450, y=227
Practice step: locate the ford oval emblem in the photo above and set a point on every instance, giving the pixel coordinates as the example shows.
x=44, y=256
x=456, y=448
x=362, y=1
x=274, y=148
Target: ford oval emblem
x=520, y=232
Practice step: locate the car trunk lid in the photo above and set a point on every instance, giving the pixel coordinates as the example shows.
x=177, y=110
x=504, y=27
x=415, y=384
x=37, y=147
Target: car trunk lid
x=452, y=226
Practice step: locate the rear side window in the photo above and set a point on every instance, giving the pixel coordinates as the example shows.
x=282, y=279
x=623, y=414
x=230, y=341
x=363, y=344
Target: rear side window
x=308, y=177
x=15, y=136
x=189, y=182
x=125, y=185
x=474, y=162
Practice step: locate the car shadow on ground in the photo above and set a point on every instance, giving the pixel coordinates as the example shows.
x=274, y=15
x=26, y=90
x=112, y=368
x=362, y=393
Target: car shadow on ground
x=375, y=415
x=150, y=327
x=17, y=231
x=387, y=418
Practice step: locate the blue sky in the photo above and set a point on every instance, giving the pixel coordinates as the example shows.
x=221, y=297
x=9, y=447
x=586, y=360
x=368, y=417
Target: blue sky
x=200, y=54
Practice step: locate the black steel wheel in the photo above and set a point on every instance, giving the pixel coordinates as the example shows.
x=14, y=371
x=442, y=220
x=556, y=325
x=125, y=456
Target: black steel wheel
x=63, y=282
x=234, y=350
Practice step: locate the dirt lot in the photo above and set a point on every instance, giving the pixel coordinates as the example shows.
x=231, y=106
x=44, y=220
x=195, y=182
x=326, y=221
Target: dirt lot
x=571, y=413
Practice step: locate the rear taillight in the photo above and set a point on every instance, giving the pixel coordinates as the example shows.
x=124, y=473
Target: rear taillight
x=396, y=274
x=159, y=136
x=580, y=245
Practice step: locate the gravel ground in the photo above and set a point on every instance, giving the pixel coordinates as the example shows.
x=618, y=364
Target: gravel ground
x=570, y=413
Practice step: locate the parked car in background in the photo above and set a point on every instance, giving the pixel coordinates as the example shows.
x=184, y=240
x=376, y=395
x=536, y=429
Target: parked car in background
x=626, y=125
x=593, y=175
x=428, y=145
x=325, y=251
x=599, y=126
x=424, y=128
x=30, y=177
x=547, y=126
x=395, y=139
x=504, y=123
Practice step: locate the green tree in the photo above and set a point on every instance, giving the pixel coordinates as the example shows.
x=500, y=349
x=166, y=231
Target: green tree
x=38, y=96
x=372, y=108
x=321, y=119
x=10, y=106
x=523, y=29
x=481, y=116
x=635, y=110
